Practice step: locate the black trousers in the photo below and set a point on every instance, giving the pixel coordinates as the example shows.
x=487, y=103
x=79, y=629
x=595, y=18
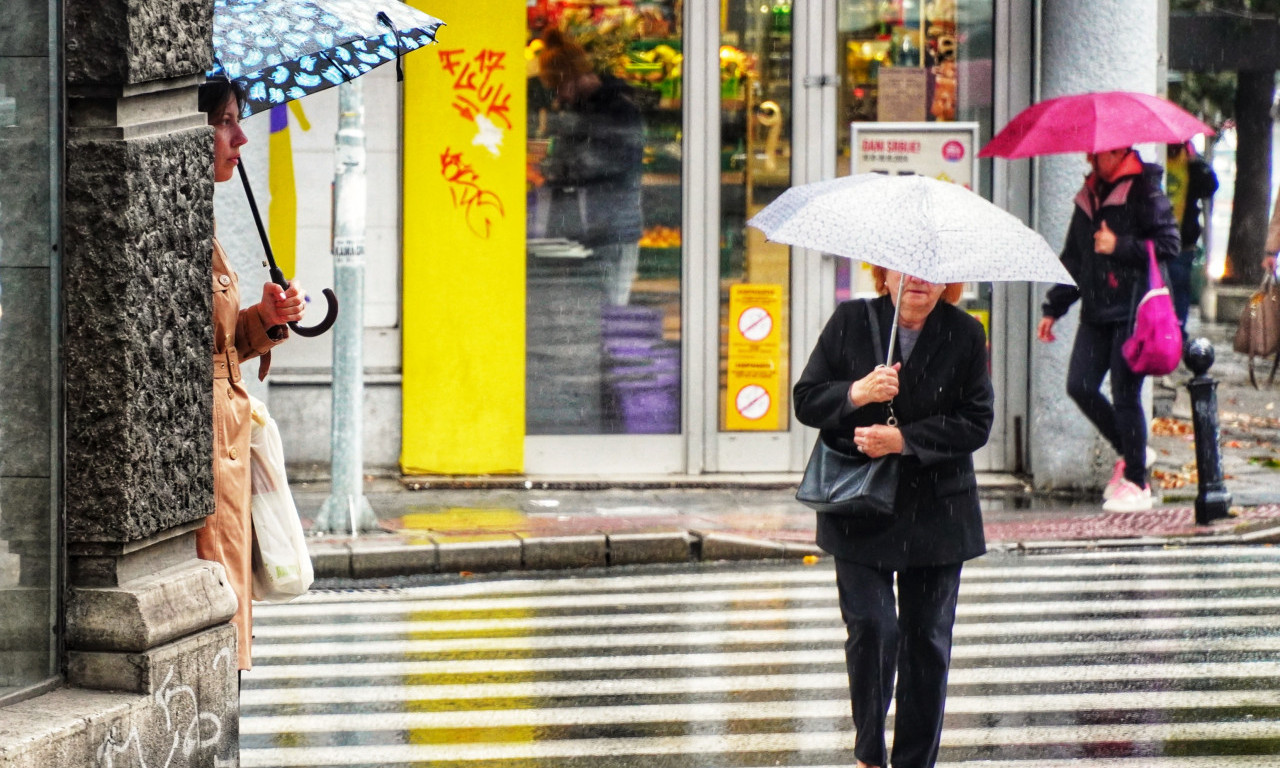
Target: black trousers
x=1122, y=419
x=914, y=642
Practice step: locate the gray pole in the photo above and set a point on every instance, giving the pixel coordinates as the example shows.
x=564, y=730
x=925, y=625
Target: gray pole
x=347, y=509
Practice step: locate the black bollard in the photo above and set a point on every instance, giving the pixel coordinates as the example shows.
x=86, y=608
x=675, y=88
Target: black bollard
x=1213, y=500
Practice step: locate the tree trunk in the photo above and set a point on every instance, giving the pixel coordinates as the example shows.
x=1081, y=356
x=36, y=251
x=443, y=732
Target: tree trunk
x=1251, y=208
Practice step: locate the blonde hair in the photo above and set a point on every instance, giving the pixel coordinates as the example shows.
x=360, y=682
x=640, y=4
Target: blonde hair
x=951, y=295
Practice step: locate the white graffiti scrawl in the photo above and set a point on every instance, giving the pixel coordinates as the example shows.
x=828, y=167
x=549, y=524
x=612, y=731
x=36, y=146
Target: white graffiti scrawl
x=192, y=730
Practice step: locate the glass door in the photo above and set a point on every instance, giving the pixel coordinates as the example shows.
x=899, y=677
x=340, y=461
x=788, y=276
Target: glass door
x=752, y=276
x=605, y=250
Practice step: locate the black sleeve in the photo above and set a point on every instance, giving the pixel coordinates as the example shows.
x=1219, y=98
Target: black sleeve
x=821, y=394
x=967, y=427
x=1062, y=296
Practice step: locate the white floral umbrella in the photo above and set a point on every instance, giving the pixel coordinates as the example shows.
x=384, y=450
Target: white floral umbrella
x=934, y=230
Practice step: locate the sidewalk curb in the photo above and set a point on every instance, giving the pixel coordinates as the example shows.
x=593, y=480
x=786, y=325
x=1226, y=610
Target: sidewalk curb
x=371, y=558
x=376, y=557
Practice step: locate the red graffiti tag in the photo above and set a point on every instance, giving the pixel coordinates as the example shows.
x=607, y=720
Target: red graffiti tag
x=480, y=206
x=476, y=87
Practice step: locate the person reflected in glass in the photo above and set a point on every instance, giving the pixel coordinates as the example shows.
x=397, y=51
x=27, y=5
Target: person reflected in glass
x=1120, y=207
x=594, y=164
x=940, y=391
x=238, y=335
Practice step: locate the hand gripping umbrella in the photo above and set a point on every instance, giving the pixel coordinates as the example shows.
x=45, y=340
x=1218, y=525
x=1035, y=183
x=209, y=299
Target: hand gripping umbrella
x=1093, y=122
x=934, y=230
x=282, y=50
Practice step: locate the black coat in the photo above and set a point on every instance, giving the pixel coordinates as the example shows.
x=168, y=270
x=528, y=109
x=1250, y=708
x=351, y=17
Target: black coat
x=944, y=410
x=1109, y=286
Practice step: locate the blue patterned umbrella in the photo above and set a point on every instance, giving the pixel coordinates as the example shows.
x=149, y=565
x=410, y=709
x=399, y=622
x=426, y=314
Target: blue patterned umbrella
x=281, y=50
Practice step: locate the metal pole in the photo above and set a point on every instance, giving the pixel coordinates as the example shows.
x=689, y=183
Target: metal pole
x=346, y=507
x=1213, y=500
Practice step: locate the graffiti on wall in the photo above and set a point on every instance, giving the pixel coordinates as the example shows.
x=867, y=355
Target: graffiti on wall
x=187, y=729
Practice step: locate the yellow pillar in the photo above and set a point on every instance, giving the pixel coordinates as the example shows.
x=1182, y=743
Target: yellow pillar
x=464, y=243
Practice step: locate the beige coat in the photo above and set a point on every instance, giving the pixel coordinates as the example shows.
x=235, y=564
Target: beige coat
x=227, y=536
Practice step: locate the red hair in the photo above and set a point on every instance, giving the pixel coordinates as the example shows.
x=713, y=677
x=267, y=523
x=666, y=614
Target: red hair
x=951, y=295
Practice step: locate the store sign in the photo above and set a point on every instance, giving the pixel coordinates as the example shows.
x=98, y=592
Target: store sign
x=946, y=151
x=754, y=375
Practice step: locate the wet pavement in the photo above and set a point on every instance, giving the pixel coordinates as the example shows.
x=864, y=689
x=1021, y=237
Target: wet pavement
x=452, y=525
x=1141, y=658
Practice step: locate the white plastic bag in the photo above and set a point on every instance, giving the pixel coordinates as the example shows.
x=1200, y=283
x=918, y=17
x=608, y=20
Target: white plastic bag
x=281, y=565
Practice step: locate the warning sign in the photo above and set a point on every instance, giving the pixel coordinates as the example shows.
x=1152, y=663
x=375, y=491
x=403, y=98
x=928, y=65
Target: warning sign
x=754, y=365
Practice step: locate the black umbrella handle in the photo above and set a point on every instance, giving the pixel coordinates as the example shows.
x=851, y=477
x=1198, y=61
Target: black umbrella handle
x=277, y=277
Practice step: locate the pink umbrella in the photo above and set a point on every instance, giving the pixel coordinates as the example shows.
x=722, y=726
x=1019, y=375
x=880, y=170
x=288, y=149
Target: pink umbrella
x=1093, y=122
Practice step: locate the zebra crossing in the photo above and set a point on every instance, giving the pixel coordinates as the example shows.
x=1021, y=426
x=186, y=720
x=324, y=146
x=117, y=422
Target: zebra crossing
x=1162, y=658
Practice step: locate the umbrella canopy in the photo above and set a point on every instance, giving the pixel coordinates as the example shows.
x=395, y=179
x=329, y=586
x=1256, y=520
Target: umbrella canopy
x=1093, y=122
x=934, y=230
x=281, y=50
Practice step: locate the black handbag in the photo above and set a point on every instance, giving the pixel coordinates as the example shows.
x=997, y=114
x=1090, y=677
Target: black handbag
x=854, y=486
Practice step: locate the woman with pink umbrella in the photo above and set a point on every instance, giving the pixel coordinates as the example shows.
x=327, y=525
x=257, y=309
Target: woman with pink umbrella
x=1119, y=209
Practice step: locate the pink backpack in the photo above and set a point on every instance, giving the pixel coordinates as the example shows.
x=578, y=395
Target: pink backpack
x=1155, y=346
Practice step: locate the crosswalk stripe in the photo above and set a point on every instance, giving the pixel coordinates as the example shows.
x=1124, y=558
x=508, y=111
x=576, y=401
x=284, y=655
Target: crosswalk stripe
x=524, y=602
x=737, y=636
x=739, y=743
x=724, y=683
x=1118, y=659
x=828, y=655
x=544, y=623
x=762, y=710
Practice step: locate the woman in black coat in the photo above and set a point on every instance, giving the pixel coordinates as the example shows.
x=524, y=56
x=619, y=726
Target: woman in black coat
x=1118, y=210
x=940, y=390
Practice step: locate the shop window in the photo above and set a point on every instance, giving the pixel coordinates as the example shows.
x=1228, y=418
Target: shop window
x=604, y=217
x=28, y=565
x=909, y=61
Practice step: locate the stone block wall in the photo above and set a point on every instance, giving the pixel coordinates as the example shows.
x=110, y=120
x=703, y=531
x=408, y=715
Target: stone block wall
x=150, y=660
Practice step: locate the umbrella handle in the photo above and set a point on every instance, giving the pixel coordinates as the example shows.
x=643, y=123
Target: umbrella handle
x=277, y=277
x=330, y=314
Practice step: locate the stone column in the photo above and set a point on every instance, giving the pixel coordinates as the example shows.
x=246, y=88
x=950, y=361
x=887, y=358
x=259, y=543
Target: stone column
x=143, y=614
x=1088, y=45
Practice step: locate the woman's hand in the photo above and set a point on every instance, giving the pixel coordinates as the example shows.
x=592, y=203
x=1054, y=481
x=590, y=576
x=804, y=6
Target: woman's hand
x=879, y=386
x=1044, y=331
x=280, y=306
x=878, y=440
x=1104, y=240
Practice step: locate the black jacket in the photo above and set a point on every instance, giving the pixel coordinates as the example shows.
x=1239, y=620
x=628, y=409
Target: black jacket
x=944, y=410
x=595, y=167
x=1202, y=182
x=1110, y=285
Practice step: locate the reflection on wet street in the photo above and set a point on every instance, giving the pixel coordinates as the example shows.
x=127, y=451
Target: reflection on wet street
x=1145, y=658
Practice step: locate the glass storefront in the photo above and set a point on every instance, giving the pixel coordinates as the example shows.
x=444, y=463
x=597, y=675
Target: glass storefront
x=28, y=231
x=647, y=292
x=604, y=218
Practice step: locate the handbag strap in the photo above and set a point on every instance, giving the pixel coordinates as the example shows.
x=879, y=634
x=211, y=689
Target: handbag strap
x=874, y=321
x=1154, y=279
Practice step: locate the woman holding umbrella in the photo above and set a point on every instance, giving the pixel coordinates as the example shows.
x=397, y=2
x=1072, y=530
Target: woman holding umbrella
x=238, y=334
x=1118, y=210
x=940, y=392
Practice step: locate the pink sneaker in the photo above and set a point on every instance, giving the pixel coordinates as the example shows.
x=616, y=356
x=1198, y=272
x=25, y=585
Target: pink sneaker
x=1117, y=475
x=1129, y=498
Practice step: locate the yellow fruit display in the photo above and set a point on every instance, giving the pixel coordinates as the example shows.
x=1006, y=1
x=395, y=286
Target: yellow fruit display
x=659, y=236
